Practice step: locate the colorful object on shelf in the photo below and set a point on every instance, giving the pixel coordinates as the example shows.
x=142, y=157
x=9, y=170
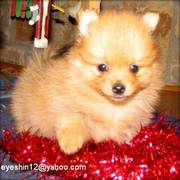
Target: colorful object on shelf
x=6, y=86
x=42, y=26
x=39, y=14
x=58, y=8
x=35, y=14
x=28, y=12
x=153, y=154
x=18, y=8
x=21, y=8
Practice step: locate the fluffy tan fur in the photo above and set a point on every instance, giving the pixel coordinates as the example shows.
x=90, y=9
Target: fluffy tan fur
x=71, y=100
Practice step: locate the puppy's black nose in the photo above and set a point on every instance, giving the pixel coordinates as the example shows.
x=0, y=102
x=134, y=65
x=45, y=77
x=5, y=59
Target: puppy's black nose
x=118, y=89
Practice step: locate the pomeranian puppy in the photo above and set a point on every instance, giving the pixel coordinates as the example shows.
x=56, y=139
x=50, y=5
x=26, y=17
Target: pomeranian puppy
x=104, y=88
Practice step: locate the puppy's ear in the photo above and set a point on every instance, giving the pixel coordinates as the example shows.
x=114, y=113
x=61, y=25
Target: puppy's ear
x=85, y=18
x=151, y=19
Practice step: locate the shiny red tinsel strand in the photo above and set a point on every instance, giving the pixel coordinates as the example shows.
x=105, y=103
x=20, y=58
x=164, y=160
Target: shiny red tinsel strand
x=153, y=154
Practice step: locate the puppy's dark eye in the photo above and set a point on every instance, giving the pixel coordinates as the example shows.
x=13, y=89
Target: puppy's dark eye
x=134, y=68
x=103, y=67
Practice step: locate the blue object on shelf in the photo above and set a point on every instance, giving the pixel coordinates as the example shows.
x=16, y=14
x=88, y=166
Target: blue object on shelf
x=6, y=86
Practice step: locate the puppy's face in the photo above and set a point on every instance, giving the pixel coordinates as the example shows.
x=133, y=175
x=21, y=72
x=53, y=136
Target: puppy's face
x=118, y=55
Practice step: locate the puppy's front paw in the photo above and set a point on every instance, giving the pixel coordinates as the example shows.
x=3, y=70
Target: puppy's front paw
x=70, y=142
x=128, y=136
x=127, y=133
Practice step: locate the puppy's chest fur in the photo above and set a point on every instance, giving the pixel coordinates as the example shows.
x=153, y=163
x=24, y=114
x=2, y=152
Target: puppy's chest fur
x=104, y=123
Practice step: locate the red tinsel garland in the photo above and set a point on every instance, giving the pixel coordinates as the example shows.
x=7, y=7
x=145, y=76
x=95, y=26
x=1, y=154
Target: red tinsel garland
x=153, y=154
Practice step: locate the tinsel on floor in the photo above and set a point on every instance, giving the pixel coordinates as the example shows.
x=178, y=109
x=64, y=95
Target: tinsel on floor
x=153, y=154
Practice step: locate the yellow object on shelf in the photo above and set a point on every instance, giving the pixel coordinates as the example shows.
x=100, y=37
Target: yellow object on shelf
x=58, y=8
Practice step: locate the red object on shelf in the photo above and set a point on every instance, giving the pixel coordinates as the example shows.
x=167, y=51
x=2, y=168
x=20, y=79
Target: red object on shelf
x=48, y=20
x=23, y=10
x=39, y=23
x=13, y=8
x=42, y=26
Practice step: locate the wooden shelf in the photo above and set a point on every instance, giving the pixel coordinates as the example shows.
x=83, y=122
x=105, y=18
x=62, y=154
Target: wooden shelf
x=10, y=69
x=172, y=88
